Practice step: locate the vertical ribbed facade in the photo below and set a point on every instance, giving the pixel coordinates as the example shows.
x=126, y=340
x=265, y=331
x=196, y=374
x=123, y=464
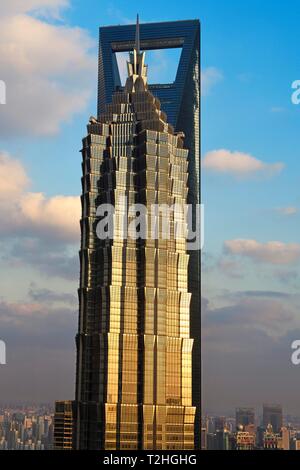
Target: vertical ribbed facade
x=138, y=365
x=134, y=375
x=180, y=101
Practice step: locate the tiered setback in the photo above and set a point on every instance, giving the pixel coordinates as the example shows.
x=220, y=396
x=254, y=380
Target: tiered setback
x=134, y=364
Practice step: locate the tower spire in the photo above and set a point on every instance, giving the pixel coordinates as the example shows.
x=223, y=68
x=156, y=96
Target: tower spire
x=137, y=35
x=137, y=70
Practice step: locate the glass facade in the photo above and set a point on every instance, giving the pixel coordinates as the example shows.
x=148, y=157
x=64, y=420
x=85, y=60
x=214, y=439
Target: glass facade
x=138, y=369
x=64, y=425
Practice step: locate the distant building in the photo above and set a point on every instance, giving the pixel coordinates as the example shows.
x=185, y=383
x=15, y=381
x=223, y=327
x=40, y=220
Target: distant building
x=271, y=439
x=297, y=444
x=244, y=416
x=245, y=440
x=210, y=425
x=64, y=425
x=284, y=440
x=220, y=423
x=211, y=441
x=203, y=439
x=219, y=440
x=28, y=429
x=222, y=440
x=272, y=414
x=260, y=437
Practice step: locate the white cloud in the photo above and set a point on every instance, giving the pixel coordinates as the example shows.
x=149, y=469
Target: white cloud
x=238, y=164
x=58, y=215
x=42, y=7
x=13, y=177
x=210, y=77
x=23, y=212
x=272, y=252
x=287, y=211
x=48, y=69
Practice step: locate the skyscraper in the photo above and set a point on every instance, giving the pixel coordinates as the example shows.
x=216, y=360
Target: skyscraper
x=64, y=425
x=244, y=417
x=180, y=100
x=138, y=369
x=272, y=415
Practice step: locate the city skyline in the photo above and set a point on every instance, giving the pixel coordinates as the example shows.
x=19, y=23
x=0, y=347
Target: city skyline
x=250, y=191
x=30, y=427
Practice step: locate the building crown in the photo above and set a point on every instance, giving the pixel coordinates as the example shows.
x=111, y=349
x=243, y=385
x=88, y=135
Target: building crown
x=137, y=70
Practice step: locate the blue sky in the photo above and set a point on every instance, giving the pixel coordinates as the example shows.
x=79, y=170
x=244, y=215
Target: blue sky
x=249, y=60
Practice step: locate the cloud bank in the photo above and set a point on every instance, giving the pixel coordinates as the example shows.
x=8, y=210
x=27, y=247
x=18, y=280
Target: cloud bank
x=48, y=68
x=247, y=353
x=26, y=213
x=37, y=230
x=272, y=252
x=239, y=164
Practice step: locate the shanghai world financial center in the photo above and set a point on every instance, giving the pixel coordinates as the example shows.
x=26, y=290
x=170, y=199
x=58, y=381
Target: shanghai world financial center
x=138, y=378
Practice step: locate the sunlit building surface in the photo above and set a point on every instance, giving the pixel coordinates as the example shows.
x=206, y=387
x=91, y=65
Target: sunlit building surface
x=138, y=345
x=245, y=440
x=180, y=100
x=271, y=438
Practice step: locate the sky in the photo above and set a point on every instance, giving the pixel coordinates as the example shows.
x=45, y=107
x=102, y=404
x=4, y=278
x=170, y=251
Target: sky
x=250, y=190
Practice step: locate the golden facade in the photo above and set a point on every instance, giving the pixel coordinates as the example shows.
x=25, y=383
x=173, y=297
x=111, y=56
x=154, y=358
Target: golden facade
x=134, y=350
